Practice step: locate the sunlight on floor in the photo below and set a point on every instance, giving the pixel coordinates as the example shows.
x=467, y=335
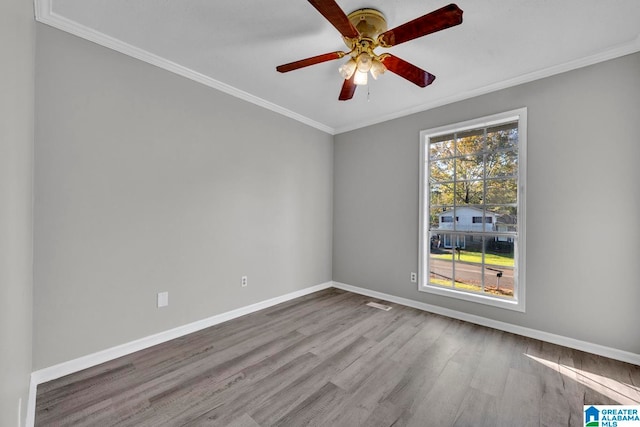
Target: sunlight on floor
x=621, y=392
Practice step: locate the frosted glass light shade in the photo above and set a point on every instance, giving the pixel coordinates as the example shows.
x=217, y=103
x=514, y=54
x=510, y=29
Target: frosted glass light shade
x=364, y=62
x=348, y=68
x=377, y=68
x=360, y=78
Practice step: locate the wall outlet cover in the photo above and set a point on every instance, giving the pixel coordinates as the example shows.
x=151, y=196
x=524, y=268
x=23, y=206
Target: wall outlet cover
x=163, y=299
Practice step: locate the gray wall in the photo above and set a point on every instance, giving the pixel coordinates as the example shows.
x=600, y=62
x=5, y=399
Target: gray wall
x=147, y=182
x=17, y=38
x=583, y=203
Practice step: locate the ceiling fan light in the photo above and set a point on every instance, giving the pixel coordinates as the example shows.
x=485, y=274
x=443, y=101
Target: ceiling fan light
x=348, y=68
x=377, y=68
x=360, y=78
x=364, y=62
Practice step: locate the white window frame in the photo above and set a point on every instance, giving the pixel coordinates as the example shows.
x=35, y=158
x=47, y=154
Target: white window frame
x=516, y=303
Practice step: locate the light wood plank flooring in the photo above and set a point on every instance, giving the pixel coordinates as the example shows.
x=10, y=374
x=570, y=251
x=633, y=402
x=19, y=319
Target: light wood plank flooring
x=328, y=359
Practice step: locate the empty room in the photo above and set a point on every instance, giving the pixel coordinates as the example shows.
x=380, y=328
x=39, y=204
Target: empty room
x=319, y=212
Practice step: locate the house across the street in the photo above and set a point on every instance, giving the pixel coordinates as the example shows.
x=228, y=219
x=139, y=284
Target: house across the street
x=470, y=219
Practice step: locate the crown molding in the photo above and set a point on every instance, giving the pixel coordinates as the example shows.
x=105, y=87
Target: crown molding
x=627, y=48
x=45, y=15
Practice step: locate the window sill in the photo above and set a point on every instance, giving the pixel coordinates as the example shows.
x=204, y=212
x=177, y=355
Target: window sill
x=508, y=304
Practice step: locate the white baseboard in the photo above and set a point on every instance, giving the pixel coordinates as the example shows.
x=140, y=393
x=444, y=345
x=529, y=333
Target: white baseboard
x=588, y=347
x=31, y=402
x=84, y=362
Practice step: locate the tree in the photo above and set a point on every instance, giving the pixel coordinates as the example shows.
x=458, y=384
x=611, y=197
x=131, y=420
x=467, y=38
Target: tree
x=477, y=167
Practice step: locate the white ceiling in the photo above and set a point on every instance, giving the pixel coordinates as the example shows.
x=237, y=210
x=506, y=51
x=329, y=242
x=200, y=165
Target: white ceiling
x=235, y=45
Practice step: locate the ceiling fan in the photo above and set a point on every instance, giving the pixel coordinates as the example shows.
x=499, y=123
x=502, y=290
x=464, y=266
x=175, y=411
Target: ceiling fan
x=363, y=31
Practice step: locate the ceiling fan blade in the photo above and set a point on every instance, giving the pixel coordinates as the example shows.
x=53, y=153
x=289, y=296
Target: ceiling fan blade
x=310, y=61
x=348, y=89
x=407, y=70
x=437, y=20
x=332, y=12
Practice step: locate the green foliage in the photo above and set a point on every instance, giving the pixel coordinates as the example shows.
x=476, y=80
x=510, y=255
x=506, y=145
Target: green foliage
x=474, y=168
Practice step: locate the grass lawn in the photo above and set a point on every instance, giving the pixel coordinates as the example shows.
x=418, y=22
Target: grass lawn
x=476, y=257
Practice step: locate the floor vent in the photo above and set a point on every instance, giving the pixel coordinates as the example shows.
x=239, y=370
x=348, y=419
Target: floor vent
x=380, y=306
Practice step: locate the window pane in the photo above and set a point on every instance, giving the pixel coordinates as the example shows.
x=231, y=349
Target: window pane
x=469, y=192
x=499, y=267
x=436, y=245
x=468, y=262
x=450, y=241
x=502, y=164
x=502, y=136
x=502, y=191
x=441, y=194
x=499, y=281
x=440, y=262
x=506, y=219
x=489, y=222
x=441, y=146
x=441, y=218
x=498, y=253
x=441, y=170
x=488, y=219
x=470, y=167
x=470, y=141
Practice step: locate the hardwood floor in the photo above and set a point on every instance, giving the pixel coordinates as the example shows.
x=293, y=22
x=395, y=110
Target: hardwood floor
x=328, y=359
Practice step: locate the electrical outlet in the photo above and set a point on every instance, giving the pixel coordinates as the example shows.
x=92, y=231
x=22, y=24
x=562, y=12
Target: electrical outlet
x=414, y=278
x=244, y=281
x=163, y=299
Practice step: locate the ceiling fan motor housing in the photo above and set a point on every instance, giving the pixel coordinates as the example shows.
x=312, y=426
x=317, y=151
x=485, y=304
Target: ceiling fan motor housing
x=370, y=23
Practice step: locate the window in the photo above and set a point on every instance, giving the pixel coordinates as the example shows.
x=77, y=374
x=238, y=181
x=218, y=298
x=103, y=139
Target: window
x=478, y=220
x=474, y=171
